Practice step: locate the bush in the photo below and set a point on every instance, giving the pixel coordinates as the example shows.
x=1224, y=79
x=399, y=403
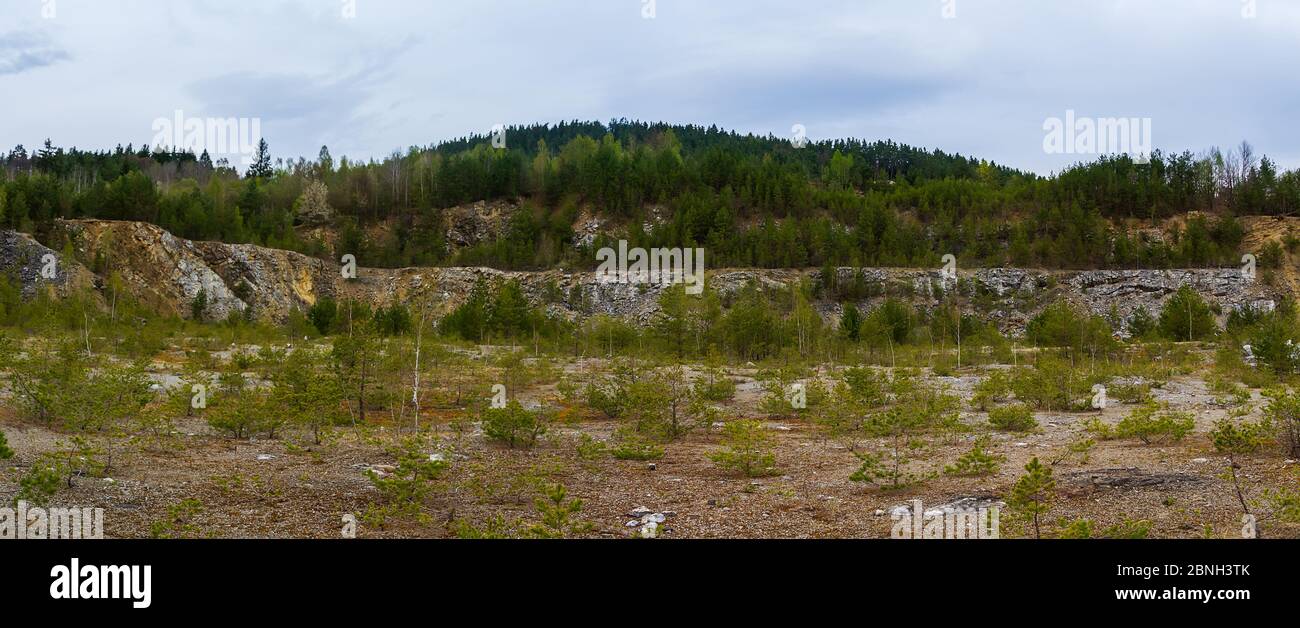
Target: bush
x=322, y=315
x=1033, y=494
x=1148, y=424
x=748, y=449
x=864, y=386
x=1141, y=325
x=513, y=425
x=992, y=389
x=1052, y=384
x=634, y=447
x=662, y=407
x=239, y=414
x=1013, y=418
x=1130, y=393
x=40, y=483
x=977, y=462
x=1126, y=529
x=1186, y=316
x=1283, y=411
x=716, y=386
x=406, y=487
x=1061, y=325
x=608, y=399
x=559, y=515
x=1273, y=343
x=1239, y=439
x=5, y=452
x=589, y=448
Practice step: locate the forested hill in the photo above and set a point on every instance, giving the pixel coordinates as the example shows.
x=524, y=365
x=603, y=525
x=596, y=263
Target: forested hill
x=750, y=200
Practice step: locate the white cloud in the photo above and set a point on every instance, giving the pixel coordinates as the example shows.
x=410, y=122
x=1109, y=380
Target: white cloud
x=409, y=72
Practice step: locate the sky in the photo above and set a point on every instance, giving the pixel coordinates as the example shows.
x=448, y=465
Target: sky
x=367, y=77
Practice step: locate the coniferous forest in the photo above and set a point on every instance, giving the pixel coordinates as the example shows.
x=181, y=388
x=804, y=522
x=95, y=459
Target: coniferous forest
x=752, y=201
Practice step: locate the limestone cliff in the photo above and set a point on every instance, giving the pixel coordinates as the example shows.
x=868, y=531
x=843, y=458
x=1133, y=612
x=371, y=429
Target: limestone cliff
x=168, y=272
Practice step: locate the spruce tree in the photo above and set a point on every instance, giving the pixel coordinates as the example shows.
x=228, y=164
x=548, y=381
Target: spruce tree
x=1033, y=493
x=261, y=168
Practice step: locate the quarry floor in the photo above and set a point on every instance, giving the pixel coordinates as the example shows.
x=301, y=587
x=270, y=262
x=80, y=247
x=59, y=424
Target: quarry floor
x=290, y=488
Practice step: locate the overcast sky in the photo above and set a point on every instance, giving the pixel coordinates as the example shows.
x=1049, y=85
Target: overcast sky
x=97, y=73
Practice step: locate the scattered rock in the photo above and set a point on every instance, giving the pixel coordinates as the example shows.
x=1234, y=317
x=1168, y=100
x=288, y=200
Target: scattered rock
x=1131, y=478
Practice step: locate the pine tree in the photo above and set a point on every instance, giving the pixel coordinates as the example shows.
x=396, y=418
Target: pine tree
x=261, y=168
x=509, y=314
x=1033, y=493
x=1186, y=316
x=851, y=322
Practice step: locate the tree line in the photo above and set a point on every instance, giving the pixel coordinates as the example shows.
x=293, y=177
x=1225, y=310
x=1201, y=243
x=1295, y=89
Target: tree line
x=753, y=201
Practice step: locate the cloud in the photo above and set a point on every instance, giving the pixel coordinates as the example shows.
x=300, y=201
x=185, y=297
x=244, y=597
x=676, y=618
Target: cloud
x=412, y=72
x=21, y=51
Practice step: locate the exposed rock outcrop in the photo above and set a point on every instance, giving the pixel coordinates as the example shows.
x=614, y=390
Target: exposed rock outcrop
x=168, y=272
x=33, y=267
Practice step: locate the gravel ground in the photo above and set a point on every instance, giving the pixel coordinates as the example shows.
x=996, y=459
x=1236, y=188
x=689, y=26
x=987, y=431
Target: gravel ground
x=289, y=488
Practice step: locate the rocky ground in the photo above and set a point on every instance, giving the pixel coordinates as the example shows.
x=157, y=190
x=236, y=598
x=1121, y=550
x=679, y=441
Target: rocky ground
x=289, y=487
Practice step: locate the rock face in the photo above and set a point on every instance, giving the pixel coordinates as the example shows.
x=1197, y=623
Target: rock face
x=32, y=267
x=167, y=273
x=164, y=272
x=482, y=221
x=1129, y=290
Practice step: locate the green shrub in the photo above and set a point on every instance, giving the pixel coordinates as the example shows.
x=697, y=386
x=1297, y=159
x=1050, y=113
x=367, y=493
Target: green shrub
x=1239, y=439
x=994, y=388
x=1283, y=412
x=632, y=446
x=748, y=449
x=5, y=452
x=1052, y=384
x=1130, y=393
x=607, y=399
x=238, y=413
x=1062, y=325
x=977, y=462
x=1150, y=425
x=865, y=386
x=40, y=483
x=1186, y=316
x=179, y=522
x=1013, y=418
x=406, y=487
x=589, y=448
x=716, y=386
x=1100, y=429
x=513, y=425
x=1032, y=495
x=1085, y=529
x=559, y=515
x=1228, y=393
